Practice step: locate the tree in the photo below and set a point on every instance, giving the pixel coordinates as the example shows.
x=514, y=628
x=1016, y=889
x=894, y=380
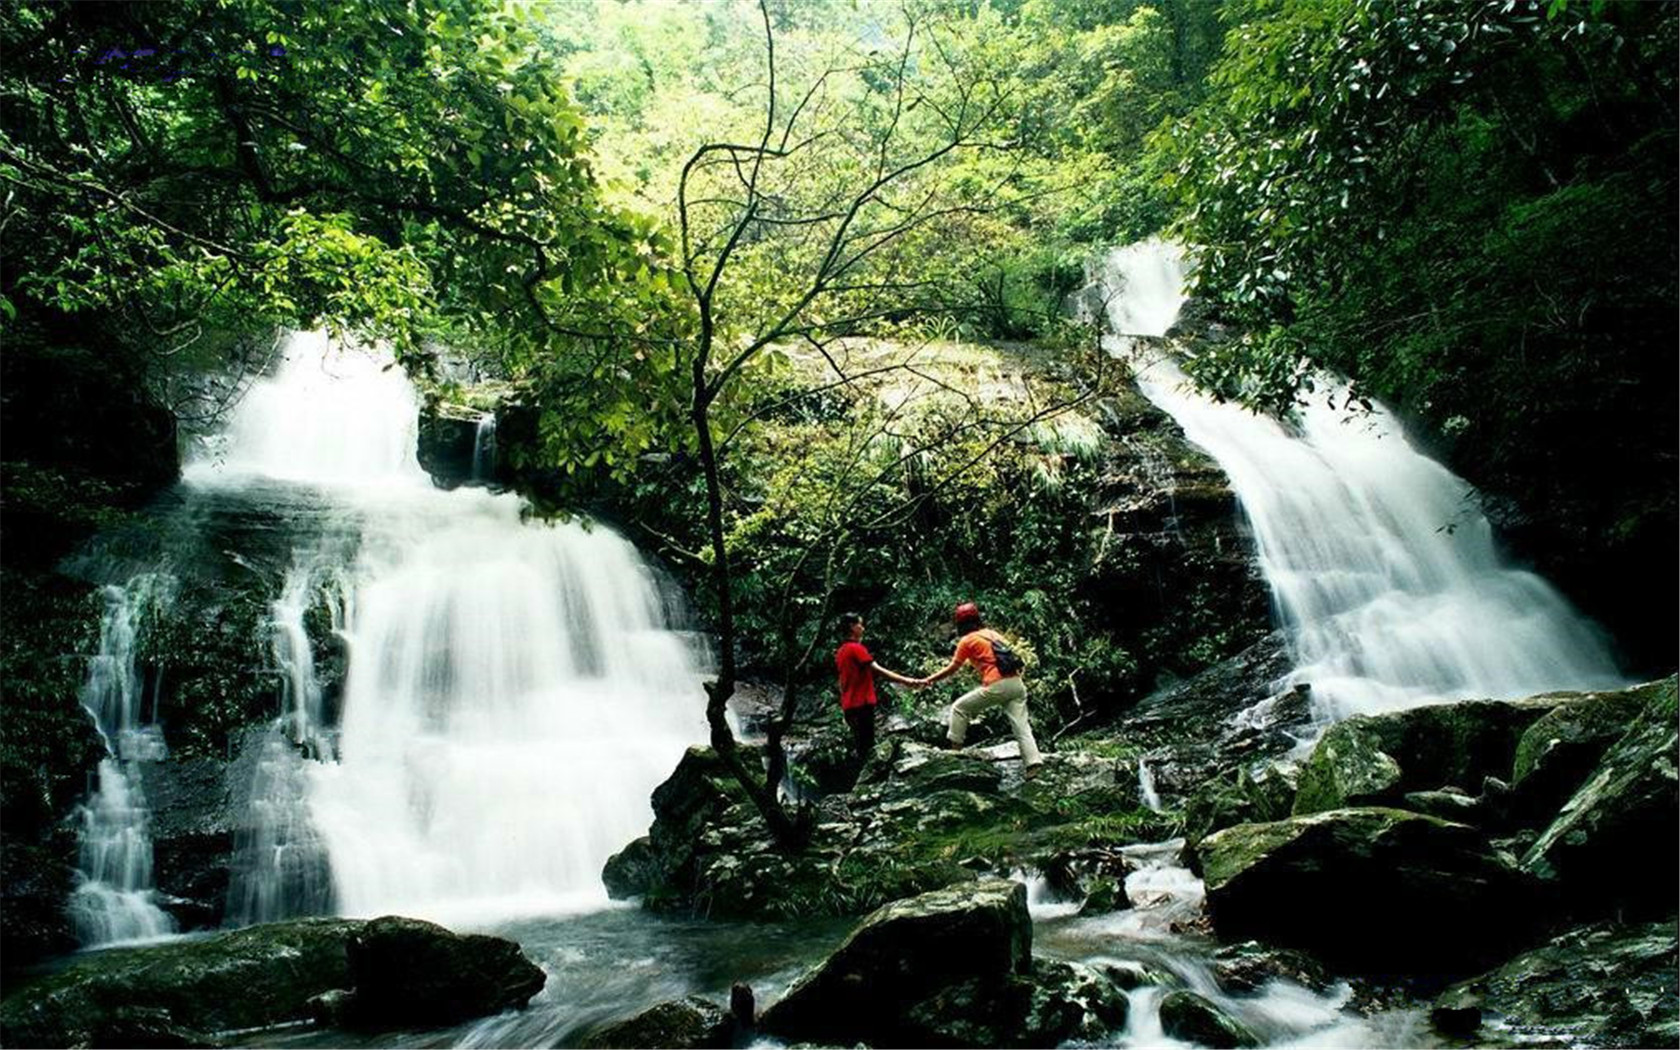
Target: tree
x=811, y=232
x=177, y=172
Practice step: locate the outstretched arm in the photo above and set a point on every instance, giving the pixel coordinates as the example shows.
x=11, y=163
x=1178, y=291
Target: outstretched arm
x=939, y=676
x=892, y=676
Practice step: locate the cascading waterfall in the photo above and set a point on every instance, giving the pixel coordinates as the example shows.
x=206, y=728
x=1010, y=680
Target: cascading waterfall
x=484, y=448
x=1383, y=570
x=114, y=900
x=513, y=693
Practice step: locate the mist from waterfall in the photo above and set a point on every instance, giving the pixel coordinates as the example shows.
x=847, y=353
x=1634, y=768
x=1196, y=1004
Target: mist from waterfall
x=513, y=692
x=1381, y=564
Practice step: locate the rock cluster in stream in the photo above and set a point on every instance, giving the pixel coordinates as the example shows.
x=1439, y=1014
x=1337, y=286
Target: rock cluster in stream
x=1536, y=837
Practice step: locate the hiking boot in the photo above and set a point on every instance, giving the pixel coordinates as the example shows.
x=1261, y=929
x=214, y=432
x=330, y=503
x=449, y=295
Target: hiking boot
x=1032, y=771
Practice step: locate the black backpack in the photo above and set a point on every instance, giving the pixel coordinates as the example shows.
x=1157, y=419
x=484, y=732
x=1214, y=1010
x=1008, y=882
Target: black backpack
x=1008, y=661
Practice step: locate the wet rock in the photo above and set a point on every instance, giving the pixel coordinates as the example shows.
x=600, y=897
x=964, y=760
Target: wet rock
x=1056, y=1003
x=1105, y=895
x=1452, y=804
x=193, y=821
x=1239, y=797
x=682, y=1024
x=1606, y=985
x=690, y=800
x=251, y=978
x=1377, y=759
x=407, y=972
x=1130, y=974
x=141, y=1027
x=907, y=952
x=447, y=437
x=1246, y=967
x=1187, y=1016
x=923, y=770
x=632, y=871
x=1369, y=889
x=1629, y=808
x=1556, y=754
x=268, y=975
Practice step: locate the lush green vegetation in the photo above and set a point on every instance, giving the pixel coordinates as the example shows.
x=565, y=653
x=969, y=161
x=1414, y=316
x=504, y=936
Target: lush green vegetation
x=1469, y=210
x=720, y=253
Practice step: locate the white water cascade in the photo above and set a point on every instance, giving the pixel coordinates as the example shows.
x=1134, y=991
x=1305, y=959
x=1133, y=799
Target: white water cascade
x=1384, y=572
x=114, y=900
x=513, y=691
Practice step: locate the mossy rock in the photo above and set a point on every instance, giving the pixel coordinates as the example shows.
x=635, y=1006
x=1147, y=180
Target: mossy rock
x=1369, y=889
x=1557, y=754
x=1608, y=985
x=1376, y=759
x=402, y=972
x=1187, y=1016
x=1615, y=846
x=905, y=952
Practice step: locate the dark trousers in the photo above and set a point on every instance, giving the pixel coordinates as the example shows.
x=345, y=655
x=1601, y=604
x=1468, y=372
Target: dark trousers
x=862, y=721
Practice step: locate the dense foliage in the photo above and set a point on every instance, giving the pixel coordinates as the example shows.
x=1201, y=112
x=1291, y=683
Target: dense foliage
x=1470, y=210
x=179, y=174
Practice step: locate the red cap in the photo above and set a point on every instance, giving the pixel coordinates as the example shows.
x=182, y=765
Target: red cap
x=966, y=611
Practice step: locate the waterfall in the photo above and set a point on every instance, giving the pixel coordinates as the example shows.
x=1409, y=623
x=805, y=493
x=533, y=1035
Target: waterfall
x=484, y=449
x=1383, y=570
x=114, y=899
x=513, y=694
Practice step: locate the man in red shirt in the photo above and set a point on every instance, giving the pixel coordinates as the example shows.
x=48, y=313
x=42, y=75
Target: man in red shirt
x=857, y=683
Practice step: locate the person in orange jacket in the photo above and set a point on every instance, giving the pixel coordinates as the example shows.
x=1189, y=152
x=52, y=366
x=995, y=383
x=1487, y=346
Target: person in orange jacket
x=1000, y=684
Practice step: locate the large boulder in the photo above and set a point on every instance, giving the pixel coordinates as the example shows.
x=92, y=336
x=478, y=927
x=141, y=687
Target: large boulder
x=1606, y=985
x=264, y=976
x=906, y=953
x=406, y=972
x=1614, y=845
x=1377, y=759
x=250, y=978
x=1558, y=752
x=691, y=800
x=1372, y=889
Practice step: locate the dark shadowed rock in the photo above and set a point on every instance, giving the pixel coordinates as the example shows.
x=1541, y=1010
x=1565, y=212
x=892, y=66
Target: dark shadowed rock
x=1055, y=1003
x=1615, y=844
x=682, y=1024
x=1556, y=754
x=1605, y=985
x=188, y=992
x=632, y=870
x=907, y=952
x=249, y=978
x=1246, y=967
x=1187, y=1016
x=1374, y=889
x=447, y=436
x=406, y=971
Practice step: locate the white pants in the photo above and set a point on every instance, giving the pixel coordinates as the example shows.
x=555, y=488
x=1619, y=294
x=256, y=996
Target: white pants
x=1011, y=695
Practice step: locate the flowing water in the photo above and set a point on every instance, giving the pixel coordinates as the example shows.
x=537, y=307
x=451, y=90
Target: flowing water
x=1383, y=570
x=513, y=692
x=114, y=901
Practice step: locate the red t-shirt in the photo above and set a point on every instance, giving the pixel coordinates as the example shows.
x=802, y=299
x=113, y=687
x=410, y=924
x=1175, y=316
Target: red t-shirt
x=857, y=681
